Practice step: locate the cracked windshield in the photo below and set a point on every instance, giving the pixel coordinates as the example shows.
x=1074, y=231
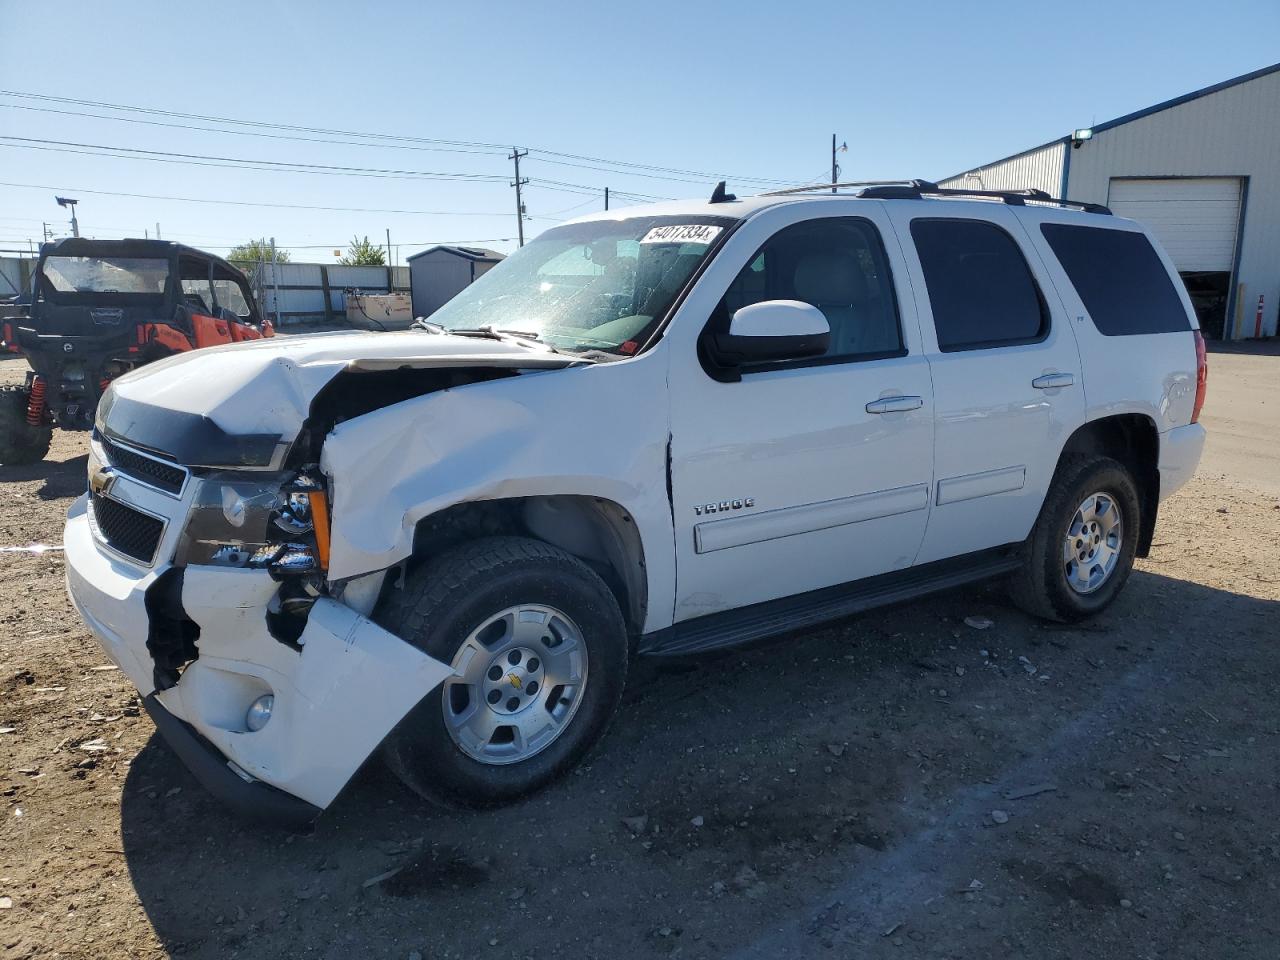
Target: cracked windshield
x=602, y=286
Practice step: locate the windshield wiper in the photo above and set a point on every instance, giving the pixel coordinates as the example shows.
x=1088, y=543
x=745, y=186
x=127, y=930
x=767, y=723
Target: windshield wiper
x=490, y=332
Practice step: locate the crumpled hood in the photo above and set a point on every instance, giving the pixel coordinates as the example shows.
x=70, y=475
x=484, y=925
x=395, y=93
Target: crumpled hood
x=262, y=390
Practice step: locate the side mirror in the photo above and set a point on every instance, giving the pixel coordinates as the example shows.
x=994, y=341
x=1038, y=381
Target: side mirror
x=772, y=330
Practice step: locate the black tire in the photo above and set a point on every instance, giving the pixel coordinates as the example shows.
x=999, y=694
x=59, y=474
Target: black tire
x=19, y=441
x=1040, y=586
x=441, y=604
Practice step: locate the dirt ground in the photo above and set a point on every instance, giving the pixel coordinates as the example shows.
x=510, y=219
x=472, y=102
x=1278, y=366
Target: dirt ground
x=900, y=784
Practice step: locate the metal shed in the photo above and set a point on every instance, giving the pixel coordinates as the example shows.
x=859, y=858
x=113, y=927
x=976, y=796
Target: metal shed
x=1202, y=171
x=438, y=274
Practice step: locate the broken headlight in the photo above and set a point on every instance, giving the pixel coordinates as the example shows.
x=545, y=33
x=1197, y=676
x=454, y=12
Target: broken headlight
x=279, y=527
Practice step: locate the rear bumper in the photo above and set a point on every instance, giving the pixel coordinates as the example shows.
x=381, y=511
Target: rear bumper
x=249, y=798
x=1180, y=450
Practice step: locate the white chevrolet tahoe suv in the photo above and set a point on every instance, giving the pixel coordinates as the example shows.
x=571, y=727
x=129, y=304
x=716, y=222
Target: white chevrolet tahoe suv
x=660, y=430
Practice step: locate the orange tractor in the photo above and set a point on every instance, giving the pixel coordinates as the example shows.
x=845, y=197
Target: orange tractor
x=100, y=308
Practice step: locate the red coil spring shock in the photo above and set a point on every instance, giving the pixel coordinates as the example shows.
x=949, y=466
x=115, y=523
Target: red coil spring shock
x=103, y=384
x=35, y=403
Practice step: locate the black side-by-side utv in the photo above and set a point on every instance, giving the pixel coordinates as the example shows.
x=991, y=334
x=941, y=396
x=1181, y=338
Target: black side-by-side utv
x=98, y=309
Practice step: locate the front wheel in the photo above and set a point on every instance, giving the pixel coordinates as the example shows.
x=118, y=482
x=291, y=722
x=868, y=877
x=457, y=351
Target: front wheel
x=539, y=655
x=20, y=442
x=1081, y=551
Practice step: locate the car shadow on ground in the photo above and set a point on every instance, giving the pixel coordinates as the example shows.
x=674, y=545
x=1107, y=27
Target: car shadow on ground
x=1269, y=347
x=742, y=793
x=62, y=478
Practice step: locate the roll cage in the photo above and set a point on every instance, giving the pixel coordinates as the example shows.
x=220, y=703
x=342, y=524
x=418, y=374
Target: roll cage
x=184, y=263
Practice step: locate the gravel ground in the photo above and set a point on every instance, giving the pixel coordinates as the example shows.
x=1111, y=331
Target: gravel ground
x=901, y=784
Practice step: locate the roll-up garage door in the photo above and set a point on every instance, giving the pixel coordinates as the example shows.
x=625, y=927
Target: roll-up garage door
x=1194, y=218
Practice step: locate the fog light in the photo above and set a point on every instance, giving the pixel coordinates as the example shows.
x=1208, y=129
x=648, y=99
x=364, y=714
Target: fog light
x=259, y=712
x=234, y=507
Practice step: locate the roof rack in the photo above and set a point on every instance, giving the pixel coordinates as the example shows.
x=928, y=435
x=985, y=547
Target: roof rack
x=919, y=189
x=824, y=187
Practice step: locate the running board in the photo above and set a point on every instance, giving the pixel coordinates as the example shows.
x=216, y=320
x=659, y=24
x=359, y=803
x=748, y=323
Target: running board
x=733, y=627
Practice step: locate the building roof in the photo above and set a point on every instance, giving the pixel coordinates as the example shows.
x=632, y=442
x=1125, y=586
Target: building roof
x=1136, y=115
x=467, y=253
x=1186, y=98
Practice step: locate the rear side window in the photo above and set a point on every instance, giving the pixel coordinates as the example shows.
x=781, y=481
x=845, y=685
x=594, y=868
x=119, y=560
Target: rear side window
x=1120, y=279
x=980, y=287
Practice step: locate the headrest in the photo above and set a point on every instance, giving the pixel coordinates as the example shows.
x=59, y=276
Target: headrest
x=829, y=278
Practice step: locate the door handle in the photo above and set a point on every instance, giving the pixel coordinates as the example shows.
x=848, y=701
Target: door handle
x=894, y=404
x=1051, y=380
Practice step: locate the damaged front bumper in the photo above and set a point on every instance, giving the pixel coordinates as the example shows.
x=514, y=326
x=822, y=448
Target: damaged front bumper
x=338, y=690
x=244, y=795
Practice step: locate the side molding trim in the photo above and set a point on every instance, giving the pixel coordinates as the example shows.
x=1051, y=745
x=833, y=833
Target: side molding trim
x=986, y=484
x=750, y=528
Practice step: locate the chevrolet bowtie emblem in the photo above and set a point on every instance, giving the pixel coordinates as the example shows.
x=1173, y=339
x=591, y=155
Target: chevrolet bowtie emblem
x=515, y=681
x=101, y=480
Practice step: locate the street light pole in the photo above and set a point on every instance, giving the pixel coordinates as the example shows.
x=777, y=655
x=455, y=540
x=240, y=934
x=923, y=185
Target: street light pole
x=68, y=202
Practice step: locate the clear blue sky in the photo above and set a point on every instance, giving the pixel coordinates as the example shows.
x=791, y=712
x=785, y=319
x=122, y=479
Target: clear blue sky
x=736, y=88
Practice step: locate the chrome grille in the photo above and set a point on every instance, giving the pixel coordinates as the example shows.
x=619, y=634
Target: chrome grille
x=124, y=529
x=168, y=477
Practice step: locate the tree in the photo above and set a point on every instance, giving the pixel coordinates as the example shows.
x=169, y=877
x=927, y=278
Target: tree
x=247, y=255
x=362, y=253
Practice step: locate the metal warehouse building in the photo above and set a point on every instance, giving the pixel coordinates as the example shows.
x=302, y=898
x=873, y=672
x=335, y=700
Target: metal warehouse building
x=1202, y=171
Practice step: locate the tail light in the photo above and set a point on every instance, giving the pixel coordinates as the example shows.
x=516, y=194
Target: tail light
x=1202, y=376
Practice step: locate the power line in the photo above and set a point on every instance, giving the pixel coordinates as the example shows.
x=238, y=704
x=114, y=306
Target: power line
x=344, y=243
x=397, y=138
x=249, y=133
x=253, y=203
x=271, y=166
x=387, y=146
x=576, y=206
x=246, y=123
x=590, y=191
x=99, y=235
x=685, y=176
x=252, y=164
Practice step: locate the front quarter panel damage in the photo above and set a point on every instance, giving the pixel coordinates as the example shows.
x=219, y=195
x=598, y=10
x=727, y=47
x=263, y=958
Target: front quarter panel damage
x=596, y=431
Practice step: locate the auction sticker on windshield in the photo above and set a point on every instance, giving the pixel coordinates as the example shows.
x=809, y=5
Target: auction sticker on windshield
x=682, y=233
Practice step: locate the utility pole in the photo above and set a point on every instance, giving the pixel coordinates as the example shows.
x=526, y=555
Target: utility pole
x=275, y=282
x=606, y=198
x=158, y=230
x=391, y=280
x=834, y=166
x=518, y=183
x=45, y=227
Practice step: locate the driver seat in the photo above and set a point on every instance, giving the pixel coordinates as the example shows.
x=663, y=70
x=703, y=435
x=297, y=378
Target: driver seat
x=834, y=284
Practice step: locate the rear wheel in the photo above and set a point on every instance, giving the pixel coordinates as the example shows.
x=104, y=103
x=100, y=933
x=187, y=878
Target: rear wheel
x=539, y=655
x=1081, y=551
x=20, y=442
